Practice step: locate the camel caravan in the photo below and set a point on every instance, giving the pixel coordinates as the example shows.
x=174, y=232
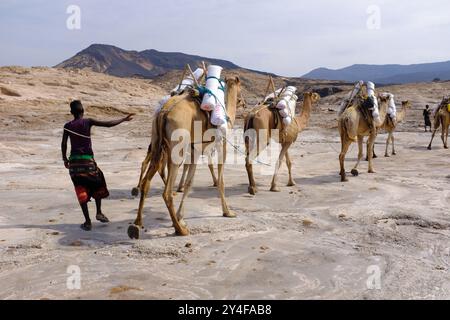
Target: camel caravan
x=196, y=118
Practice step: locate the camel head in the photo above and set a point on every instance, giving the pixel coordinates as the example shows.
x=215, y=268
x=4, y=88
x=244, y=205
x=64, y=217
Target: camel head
x=235, y=82
x=315, y=97
x=384, y=98
x=406, y=104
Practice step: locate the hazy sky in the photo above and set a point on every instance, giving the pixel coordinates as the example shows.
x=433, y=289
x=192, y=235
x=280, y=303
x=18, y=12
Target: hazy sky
x=287, y=37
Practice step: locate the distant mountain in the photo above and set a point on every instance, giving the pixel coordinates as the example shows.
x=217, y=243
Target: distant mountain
x=385, y=74
x=147, y=64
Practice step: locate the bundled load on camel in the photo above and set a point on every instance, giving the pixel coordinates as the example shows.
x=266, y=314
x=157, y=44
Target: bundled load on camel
x=211, y=93
x=365, y=91
x=392, y=108
x=188, y=80
x=285, y=100
x=214, y=97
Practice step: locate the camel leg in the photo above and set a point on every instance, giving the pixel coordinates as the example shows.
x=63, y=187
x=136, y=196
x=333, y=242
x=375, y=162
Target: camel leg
x=144, y=165
x=133, y=230
x=345, y=144
x=187, y=188
x=446, y=138
x=393, y=145
x=221, y=185
x=211, y=169
x=443, y=134
x=162, y=171
x=370, y=143
x=360, y=155
x=432, y=137
x=168, y=197
x=183, y=178
x=289, y=165
x=386, y=154
x=249, y=167
x=274, y=186
x=367, y=153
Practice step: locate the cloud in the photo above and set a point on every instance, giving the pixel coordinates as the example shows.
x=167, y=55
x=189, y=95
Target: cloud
x=288, y=37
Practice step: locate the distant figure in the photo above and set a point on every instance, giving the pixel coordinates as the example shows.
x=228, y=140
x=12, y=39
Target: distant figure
x=426, y=117
x=87, y=178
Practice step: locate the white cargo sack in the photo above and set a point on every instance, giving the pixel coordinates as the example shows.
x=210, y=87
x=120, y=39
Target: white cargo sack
x=375, y=112
x=392, y=109
x=212, y=84
x=218, y=115
x=286, y=104
x=161, y=103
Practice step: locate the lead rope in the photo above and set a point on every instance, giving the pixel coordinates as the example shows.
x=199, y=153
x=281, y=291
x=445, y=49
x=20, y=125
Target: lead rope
x=77, y=134
x=243, y=153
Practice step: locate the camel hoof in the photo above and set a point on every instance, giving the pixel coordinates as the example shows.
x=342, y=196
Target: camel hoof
x=229, y=214
x=182, y=223
x=429, y=148
x=275, y=189
x=291, y=184
x=133, y=231
x=344, y=179
x=371, y=171
x=374, y=156
x=386, y=155
x=182, y=232
x=367, y=159
x=180, y=190
x=394, y=153
x=252, y=190
x=445, y=147
x=215, y=184
x=354, y=172
x=135, y=191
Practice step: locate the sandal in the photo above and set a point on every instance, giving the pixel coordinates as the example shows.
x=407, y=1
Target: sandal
x=87, y=226
x=102, y=218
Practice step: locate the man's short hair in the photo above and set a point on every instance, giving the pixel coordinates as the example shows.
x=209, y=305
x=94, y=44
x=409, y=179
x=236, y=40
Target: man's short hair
x=427, y=106
x=76, y=107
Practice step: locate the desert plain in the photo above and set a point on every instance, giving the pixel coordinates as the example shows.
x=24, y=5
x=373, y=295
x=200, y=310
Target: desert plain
x=381, y=235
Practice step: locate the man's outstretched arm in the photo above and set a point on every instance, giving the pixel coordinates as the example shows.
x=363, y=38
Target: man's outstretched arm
x=64, y=148
x=111, y=123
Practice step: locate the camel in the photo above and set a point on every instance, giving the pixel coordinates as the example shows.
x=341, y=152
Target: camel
x=182, y=115
x=442, y=119
x=262, y=117
x=135, y=191
x=389, y=126
x=353, y=126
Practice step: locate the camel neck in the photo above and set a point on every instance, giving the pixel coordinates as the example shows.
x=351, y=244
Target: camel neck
x=231, y=103
x=401, y=114
x=303, y=117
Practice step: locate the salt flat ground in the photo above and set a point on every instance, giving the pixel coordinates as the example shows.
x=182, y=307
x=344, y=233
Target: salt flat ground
x=382, y=235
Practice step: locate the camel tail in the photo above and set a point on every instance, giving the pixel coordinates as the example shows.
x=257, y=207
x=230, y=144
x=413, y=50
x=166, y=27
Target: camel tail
x=158, y=145
x=347, y=128
x=249, y=122
x=437, y=122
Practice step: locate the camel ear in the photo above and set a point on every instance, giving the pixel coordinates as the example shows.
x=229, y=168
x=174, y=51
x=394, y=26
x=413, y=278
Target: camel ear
x=238, y=80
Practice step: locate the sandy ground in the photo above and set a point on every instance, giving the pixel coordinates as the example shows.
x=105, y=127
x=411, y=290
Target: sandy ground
x=320, y=239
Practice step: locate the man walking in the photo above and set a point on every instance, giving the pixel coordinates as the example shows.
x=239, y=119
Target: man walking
x=86, y=176
x=426, y=117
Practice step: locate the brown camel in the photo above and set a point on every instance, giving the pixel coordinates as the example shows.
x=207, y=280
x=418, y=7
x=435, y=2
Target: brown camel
x=389, y=126
x=442, y=119
x=268, y=119
x=174, y=130
x=354, y=126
